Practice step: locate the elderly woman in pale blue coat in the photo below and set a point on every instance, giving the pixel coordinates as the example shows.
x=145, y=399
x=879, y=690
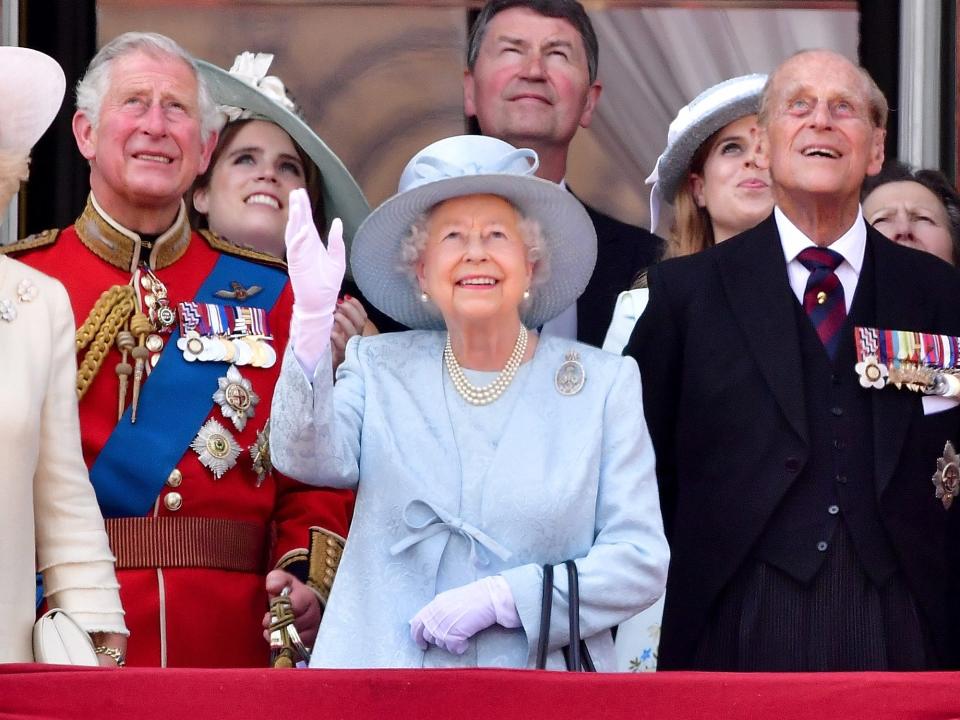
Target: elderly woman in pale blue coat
x=481, y=453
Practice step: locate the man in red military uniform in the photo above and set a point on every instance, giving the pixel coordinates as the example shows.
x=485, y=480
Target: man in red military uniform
x=180, y=341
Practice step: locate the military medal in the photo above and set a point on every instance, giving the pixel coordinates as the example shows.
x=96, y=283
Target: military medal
x=190, y=345
x=260, y=452
x=571, y=376
x=946, y=479
x=873, y=373
x=236, y=397
x=216, y=447
x=922, y=362
x=224, y=333
x=162, y=316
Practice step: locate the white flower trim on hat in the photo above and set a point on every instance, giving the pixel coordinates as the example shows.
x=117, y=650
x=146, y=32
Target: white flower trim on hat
x=251, y=68
x=708, y=112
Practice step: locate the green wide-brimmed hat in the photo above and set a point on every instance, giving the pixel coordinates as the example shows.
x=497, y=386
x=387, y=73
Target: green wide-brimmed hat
x=246, y=91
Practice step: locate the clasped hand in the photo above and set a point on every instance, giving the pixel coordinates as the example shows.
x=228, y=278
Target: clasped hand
x=453, y=617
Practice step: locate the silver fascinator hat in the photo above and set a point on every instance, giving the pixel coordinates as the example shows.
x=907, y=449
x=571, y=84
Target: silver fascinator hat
x=247, y=92
x=708, y=112
x=473, y=165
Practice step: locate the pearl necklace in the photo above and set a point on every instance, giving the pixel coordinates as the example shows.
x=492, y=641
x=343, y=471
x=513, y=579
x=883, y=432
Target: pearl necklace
x=485, y=395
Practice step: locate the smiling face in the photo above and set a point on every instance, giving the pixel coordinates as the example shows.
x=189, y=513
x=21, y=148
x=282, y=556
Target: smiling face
x=530, y=85
x=734, y=191
x=474, y=266
x=819, y=139
x=146, y=149
x=911, y=215
x=246, y=199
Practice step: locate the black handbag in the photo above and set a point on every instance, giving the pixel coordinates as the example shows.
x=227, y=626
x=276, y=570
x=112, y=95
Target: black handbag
x=576, y=653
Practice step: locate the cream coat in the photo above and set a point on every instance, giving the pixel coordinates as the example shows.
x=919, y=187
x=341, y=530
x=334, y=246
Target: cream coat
x=49, y=519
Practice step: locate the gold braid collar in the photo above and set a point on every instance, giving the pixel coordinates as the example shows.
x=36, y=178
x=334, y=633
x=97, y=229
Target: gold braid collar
x=110, y=241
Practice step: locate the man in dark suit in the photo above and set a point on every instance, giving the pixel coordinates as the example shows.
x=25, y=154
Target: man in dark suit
x=804, y=529
x=531, y=80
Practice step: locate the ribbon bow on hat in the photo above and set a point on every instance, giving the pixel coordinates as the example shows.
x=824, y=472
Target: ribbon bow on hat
x=430, y=168
x=251, y=68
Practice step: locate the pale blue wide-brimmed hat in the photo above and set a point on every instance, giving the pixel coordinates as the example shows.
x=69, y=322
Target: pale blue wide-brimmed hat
x=710, y=111
x=474, y=165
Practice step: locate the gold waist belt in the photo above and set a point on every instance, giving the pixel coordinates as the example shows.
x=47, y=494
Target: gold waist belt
x=185, y=542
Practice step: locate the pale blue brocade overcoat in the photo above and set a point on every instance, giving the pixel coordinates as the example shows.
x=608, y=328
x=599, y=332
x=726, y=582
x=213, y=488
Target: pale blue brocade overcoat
x=569, y=477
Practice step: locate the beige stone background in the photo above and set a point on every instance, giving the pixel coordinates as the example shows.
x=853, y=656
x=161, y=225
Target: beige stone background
x=376, y=82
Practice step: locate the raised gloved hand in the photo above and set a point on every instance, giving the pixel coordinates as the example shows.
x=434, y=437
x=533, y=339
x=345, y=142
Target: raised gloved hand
x=315, y=274
x=453, y=617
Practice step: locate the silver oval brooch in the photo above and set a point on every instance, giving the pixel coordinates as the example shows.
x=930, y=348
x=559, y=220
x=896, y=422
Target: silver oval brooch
x=570, y=376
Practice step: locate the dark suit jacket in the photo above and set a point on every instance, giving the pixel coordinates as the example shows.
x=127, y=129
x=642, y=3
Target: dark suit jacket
x=718, y=349
x=623, y=252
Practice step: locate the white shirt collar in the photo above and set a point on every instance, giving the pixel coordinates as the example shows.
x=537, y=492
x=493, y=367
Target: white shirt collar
x=852, y=244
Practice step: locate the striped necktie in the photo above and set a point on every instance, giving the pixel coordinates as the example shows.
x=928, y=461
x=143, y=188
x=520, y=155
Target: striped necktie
x=823, y=297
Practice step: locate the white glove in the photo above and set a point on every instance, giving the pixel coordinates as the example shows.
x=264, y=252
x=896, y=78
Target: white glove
x=315, y=274
x=453, y=617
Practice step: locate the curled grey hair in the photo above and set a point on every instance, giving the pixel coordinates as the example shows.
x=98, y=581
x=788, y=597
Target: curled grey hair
x=415, y=241
x=95, y=82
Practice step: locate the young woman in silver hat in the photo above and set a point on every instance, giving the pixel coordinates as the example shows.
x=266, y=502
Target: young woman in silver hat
x=480, y=451
x=264, y=151
x=49, y=518
x=707, y=172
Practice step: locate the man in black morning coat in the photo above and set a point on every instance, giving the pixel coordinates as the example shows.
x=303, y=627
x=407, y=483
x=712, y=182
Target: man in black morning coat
x=804, y=529
x=531, y=80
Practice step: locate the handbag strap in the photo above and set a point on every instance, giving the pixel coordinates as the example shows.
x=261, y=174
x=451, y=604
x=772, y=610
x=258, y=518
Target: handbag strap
x=546, y=607
x=577, y=655
x=574, y=663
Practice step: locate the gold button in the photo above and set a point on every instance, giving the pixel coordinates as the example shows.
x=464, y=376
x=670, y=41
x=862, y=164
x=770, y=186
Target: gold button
x=821, y=297
x=173, y=501
x=175, y=478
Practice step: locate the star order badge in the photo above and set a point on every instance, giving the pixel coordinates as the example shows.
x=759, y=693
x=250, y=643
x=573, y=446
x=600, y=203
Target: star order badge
x=236, y=398
x=946, y=479
x=570, y=376
x=260, y=452
x=216, y=447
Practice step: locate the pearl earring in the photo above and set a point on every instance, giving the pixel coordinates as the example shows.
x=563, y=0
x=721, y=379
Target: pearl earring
x=526, y=294
x=424, y=297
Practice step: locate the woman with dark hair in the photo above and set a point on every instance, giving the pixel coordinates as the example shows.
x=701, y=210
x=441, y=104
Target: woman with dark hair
x=264, y=151
x=917, y=208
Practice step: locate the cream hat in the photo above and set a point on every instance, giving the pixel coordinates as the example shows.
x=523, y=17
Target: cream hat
x=474, y=165
x=31, y=88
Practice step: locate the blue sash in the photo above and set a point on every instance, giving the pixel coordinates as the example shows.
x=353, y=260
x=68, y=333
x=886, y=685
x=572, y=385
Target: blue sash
x=130, y=471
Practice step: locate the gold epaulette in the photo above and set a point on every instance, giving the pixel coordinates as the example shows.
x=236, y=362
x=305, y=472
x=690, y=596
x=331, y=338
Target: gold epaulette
x=31, y=242
x=228, y=248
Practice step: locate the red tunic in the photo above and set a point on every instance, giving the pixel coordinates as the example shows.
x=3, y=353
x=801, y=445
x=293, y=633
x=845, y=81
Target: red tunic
x=196, y=617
